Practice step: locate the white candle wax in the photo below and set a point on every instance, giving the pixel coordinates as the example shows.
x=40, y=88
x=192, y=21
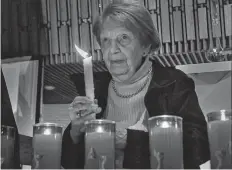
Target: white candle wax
x=7, y=152
x=103, y=144
x=165, y=145
x=220, y=144
x=47, y=151
x=88, y=73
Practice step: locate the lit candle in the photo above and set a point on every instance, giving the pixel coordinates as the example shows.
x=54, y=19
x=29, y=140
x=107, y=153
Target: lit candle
x=165, y=144
x=7, y=147
x=88, y=73
x=100, y=144
x=47, y=144
x=219, y=132
x=103, y=144
x=165, y=139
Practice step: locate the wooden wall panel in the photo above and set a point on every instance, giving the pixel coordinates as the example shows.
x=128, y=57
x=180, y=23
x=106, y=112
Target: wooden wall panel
x=84, y=8
x=202, y=23
x=178, y=32
x=151, y=4
x=190, y=24
x=63, y=4
x=215, y=15
x=95, y=12
x=5, y=23
x=5, y=6
x=154, y=19
x=201, y=1
x=94, y=9
x=228, y=23
x=44, y=13
x=23, y=24
x=54, y=30
x=85, y=37
x=51, y=28
x=33, y=27
x=14, y=45
x=23, y=8
x=74, y=23
x=44, y=46
x=165, y=21
x=21, y=28
x=176, y=3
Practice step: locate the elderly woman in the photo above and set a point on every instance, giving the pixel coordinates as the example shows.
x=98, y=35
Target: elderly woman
x=136, y=89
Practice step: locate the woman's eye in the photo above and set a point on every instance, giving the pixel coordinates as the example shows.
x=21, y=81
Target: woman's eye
x=124, y=37
x=124, y=40
x=105, y=42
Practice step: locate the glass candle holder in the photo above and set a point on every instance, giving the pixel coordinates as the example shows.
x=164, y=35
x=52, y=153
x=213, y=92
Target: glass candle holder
x=219, y=132
x=100, y=144
x=166, y=142
x=47, y=143
x=7, y=147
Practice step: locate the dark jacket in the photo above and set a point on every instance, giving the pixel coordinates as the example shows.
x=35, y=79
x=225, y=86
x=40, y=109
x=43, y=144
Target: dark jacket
x=7, y=118
x=170, y=92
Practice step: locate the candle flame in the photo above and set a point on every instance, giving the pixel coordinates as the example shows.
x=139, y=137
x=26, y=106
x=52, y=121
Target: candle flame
x=223, y=115
x=99, y=129
x=81, y=52
x=47, y=132
x=165, y=124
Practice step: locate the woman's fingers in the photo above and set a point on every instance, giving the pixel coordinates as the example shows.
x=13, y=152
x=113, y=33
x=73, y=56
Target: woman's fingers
x=79, y=123
x=87, y=107
x=80, y=99
x=82, y=106
x=95, y=101
x=80, y=114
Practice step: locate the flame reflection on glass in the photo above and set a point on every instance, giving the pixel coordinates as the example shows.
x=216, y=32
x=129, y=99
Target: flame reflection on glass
x=165, y=124
x=223, y=115
x=47, y=132
x=100, y=129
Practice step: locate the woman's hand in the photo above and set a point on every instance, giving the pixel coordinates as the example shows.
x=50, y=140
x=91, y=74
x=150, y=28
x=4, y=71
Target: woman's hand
x=81, y=110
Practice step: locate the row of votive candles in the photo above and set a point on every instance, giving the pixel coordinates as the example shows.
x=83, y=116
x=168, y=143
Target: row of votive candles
x=165, y=140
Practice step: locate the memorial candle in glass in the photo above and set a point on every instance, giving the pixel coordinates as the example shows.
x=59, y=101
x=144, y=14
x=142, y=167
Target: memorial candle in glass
x=165, y=139
x=100, y=144
x=219, y=132
x=7, y=147
x=47, y=143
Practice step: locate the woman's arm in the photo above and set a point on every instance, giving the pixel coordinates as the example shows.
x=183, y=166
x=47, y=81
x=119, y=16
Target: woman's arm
x=195, y=136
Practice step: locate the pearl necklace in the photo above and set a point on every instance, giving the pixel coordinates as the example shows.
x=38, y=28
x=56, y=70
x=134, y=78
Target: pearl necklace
x=137, y=92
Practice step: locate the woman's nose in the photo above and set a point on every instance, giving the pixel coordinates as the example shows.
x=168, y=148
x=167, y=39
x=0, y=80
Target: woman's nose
x=114, y=47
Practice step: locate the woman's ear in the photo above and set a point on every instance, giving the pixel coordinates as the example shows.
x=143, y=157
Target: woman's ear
x=147, y=50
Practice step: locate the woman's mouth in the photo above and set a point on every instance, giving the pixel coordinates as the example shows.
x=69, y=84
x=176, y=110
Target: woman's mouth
x=118, y=67
x=117, y=62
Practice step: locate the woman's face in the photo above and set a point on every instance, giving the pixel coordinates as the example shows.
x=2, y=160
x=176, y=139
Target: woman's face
x=122, y=51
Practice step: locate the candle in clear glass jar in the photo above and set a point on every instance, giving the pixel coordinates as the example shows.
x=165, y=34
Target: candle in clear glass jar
x=165, y=139
x=100, y=144
x=7, y=147
x=219, y=132
x=47, y=143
